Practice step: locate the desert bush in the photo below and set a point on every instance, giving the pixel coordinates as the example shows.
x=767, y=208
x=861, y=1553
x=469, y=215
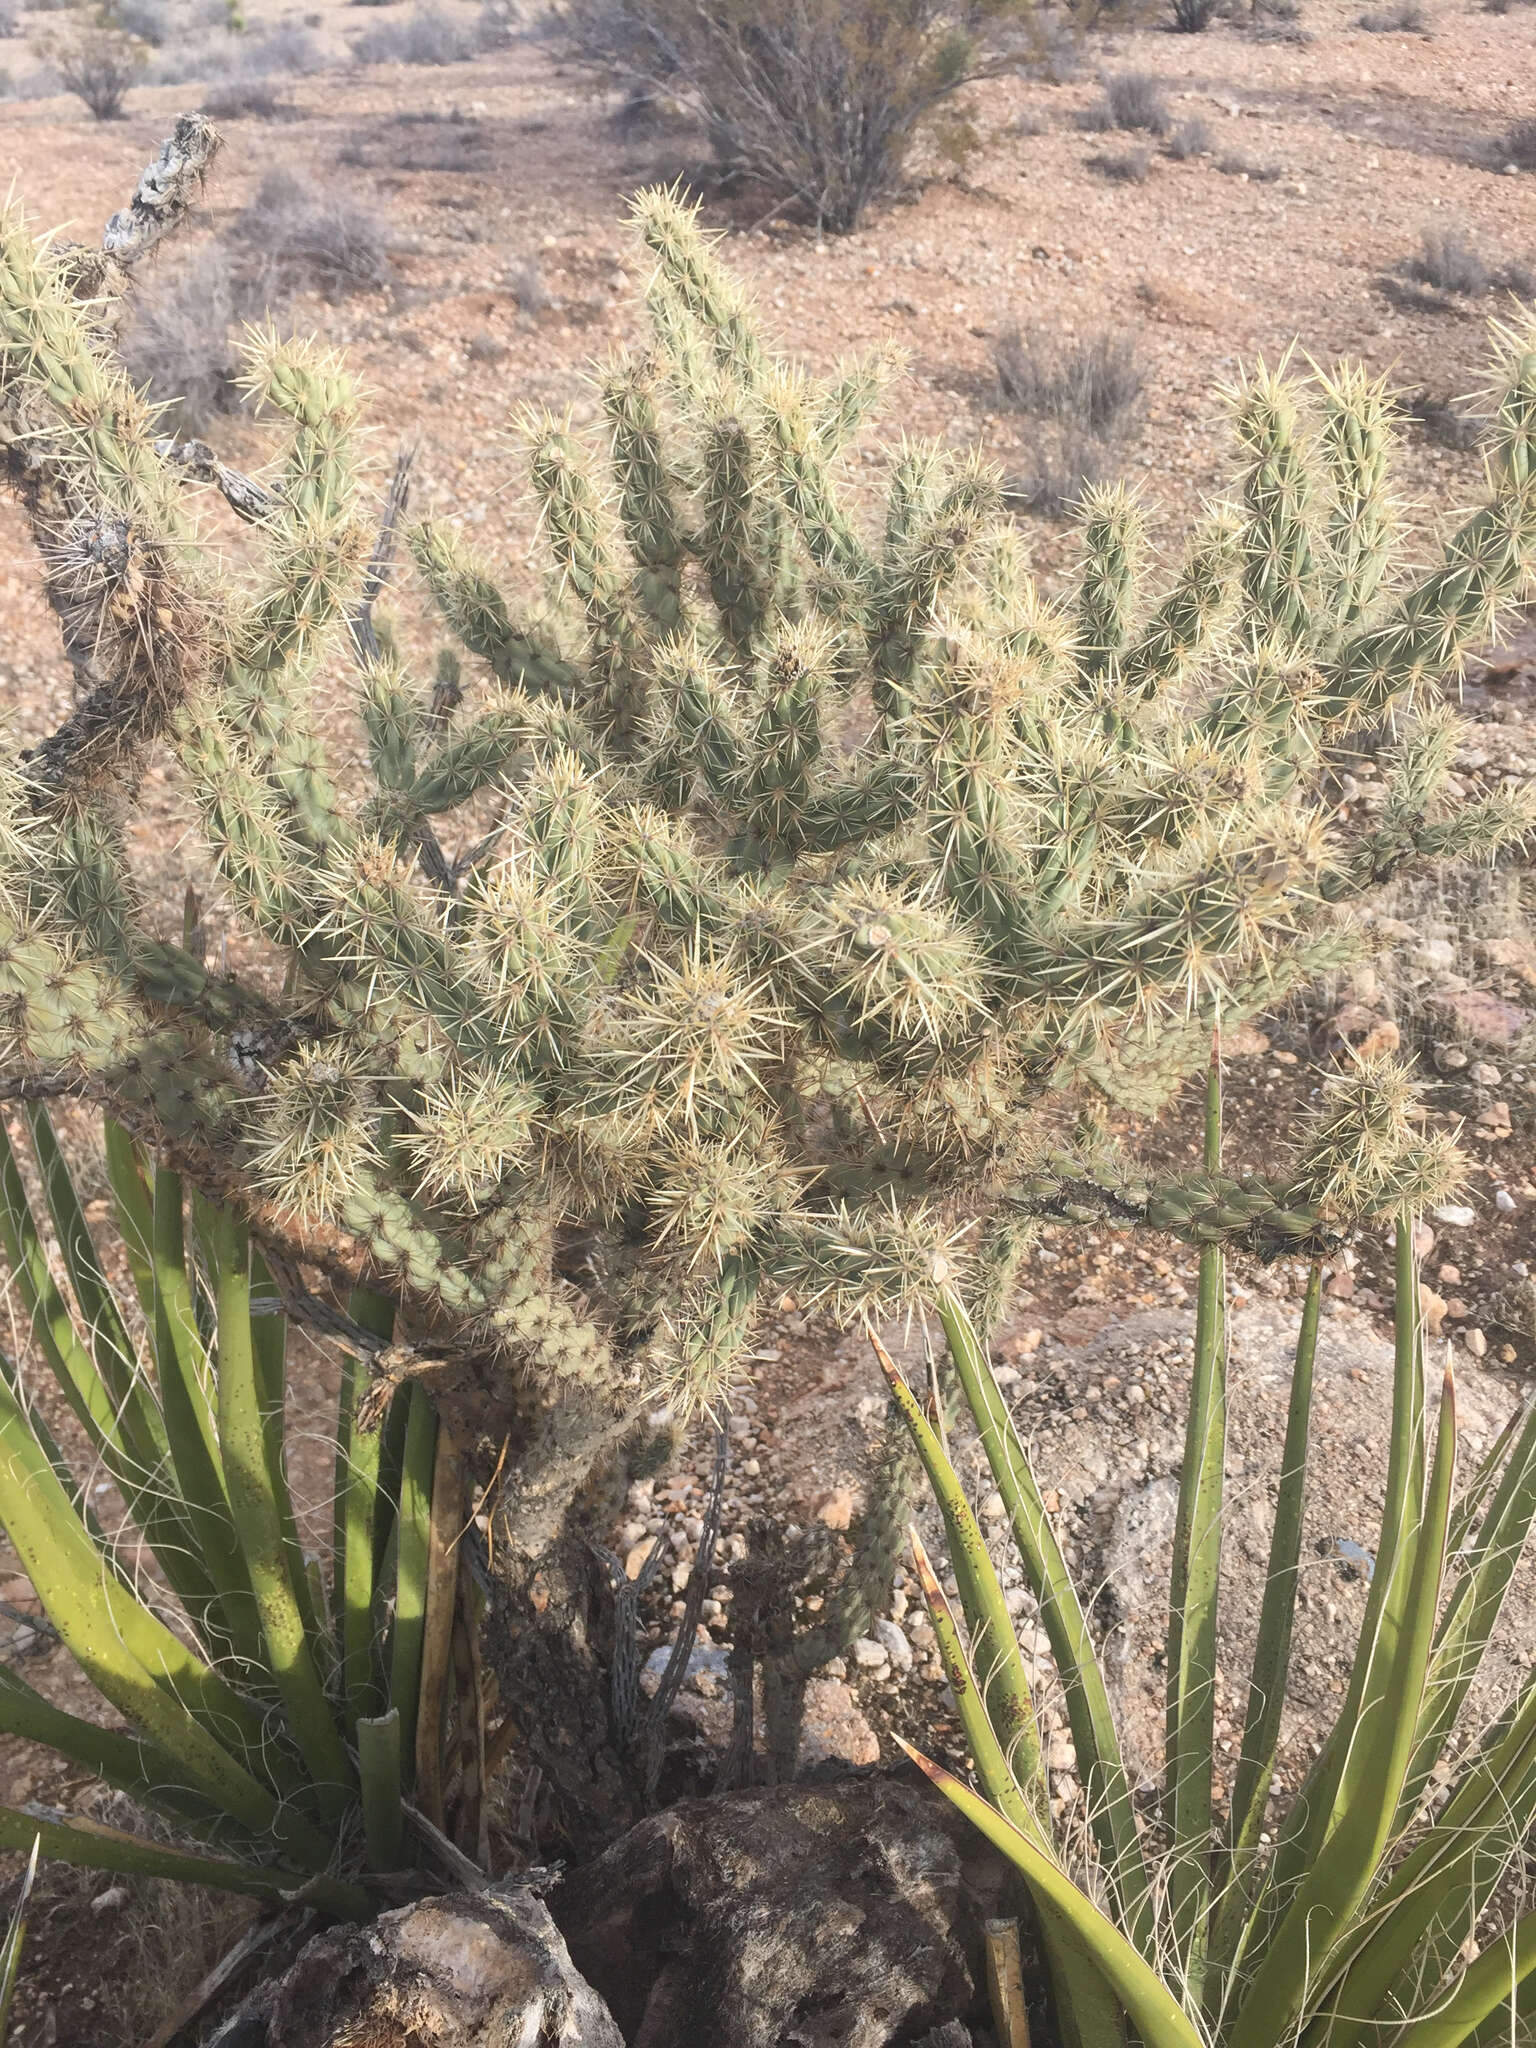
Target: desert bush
x=1448, y=261
x=606, y=1000
x=428, y=37
x=244, y=97
x=1066, y=467
x=1134, y=99
x=97, y=61
x=1443, y=421
x=1192, y=17
x=179, y=341
x=419, y=142
x=1237, y=166
x=1122, y=166
x=1517, y=146
x=1095, y=384
x=150, y=20
x=1345, y=1915
x=821, y=102
x=1192, y=138
x=288, y=51
x=290, y=237
x=497, y=24
x=1408, y=19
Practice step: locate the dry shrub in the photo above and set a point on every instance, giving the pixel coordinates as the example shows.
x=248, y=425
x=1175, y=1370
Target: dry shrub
x=242, y=97
x=419, y=142
x=1121, y=167
x=1087, y=397
x=1448, y=261
x=292, y=237
x=1409, y=19
x=1192, y=138
x=181, y=340
x=821, y=102
x=426, y=37
x=97, y=61
x=1134, y=99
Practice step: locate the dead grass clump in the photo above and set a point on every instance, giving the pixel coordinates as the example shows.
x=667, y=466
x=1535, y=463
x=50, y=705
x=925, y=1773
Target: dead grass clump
x=427, y=37
x=1406, y=19
x=1192, y=138
x=1517, y=146
x=1096, y=384
x=1192, y=17
x=1121, y=167
x=1246, y=167
x=1134, y=100
x=1443, y=422
x=291, y=238
x=1066, y=465
x=181, y=340
x=419, y=142
x=241, y=97
x=1448, y=261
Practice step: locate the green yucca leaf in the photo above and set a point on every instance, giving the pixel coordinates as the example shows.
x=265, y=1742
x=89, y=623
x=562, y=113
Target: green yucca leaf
x=1088, y=1711
x=1194, y=1588
x=258, y=1517
x=1376, y=1744
x=104, y=1848
x=380, y=1762
x=362, y=1506
x=413, y=1546
x=1499, y=1976
x=1153, y=2009
x=15, y=1935
x=1272, y=1649
x=994, y=1648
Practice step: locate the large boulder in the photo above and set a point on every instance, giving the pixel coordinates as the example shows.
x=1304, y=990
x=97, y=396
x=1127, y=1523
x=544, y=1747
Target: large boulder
x=844, y=1912
x=472, y=1970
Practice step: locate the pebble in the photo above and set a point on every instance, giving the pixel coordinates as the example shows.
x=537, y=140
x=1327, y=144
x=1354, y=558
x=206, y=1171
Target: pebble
x=1477, y=1343
x=1504, y=1201
x=868, y=1654
x=992, y=1508
x=892, y=1640
x=1456, y=1214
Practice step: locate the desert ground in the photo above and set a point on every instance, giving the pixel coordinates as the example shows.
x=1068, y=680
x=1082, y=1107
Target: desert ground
x=1284, y=211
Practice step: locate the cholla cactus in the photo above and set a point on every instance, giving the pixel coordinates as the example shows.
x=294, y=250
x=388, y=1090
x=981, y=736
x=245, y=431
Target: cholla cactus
x=719, y=1011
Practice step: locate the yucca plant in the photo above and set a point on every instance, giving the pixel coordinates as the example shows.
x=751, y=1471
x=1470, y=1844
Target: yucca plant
x=279, y=1719
x=15, y=1936
x=596, y=997
x=1348, y=1917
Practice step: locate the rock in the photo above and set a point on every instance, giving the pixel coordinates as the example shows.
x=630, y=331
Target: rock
x=834, y=1730
x=1485, y=1019
x=705, y=1660
x=868, y=1654
x=472, y=1970
x=993, y=1508
x=1476, y=1343
x=845, y=1913
x=1504, y=1202
x=836, y=1510
x=1128, y=1552
x=894, y=1643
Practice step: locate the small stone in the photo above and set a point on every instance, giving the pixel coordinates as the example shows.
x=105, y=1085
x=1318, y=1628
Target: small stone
x=992, y=1508
x=834, y=1727
x=635, y=1556
x=868, y=1654
x=1450, y=1276
x=1457, y=1215
x=1477, y=1343
x=752, y=1469
x=894, y=1643
x=835, y=1509
x=109, y=1901
x=1484, y=1074
x=1504, y=1201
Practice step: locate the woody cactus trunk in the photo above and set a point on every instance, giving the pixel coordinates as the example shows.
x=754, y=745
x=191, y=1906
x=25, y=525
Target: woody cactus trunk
x=759, y=915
